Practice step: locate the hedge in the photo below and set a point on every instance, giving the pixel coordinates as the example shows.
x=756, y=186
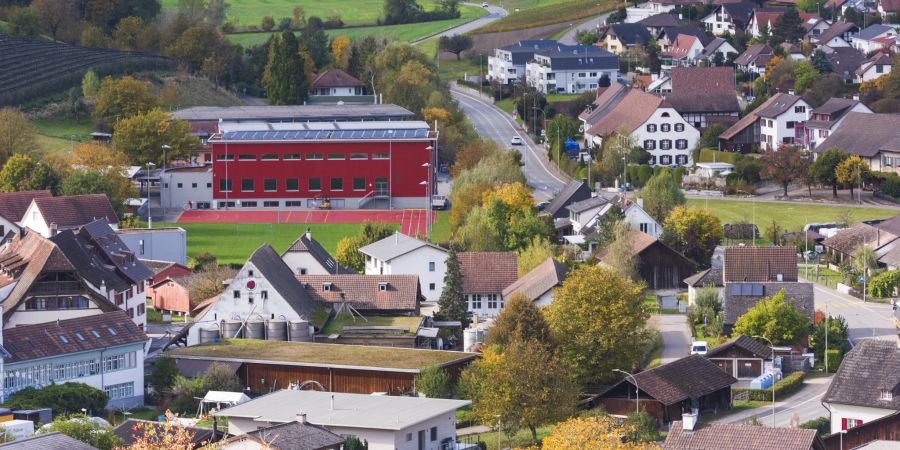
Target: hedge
x=784, y=387
x=834, y=359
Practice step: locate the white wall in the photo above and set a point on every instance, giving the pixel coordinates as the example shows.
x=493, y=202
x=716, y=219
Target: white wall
x=779, y=129
x=27, y=317
x=690, y=134
x=582, y=219
x=545, y=299
x=35, y=220
x=479, y=304
x=500, y=65
x=303, y=260
x=872, y=73
x=814, y=137
x=177, y=197
x=570, y=81
x=863, y=413
x=168, y=244
x=418, y=263
x=636, y=216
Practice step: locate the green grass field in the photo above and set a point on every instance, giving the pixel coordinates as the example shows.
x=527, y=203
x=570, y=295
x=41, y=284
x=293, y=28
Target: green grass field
x=336, y=324
x=404, y=33
x=710, y=155
x=64, y=128
x=789, y=216
x=251, y=12
x=548, y=13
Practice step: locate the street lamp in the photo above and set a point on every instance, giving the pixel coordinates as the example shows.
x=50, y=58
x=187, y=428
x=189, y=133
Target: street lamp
x=637, y=390
x=557, y=133
x=773, y=376
x=147, y=179
x=165, y=148
x=427, y=206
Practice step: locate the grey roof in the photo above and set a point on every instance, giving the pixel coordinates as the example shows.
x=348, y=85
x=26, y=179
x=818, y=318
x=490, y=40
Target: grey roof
x=691, y=377
x=89, y=264
x=837, y=29
x=377, y=412
x=740, y=12
x=575, y=191
x=779, y=106
x=708, y=277
x=710, y=49
x=294, y=435
x=836, y=107
x=306, y=244
x=48, y=441
x=630, y=33
x=844, y=60
x=276, y=272
x=690, y=30
x=292, y=112
x=865, y=134
x=873, y=31
x=115, y=251
x=871, y=366
x=751, y=345
x=396, y=245
x=661, y=20
x=754, y=52
x=546, y=276
x=587, y=204
x=523, y=51
x=580, y=57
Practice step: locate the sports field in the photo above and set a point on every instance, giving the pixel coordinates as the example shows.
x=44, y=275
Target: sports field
x=789, y=216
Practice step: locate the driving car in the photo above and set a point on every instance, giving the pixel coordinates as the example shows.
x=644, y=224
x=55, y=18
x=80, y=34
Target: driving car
x=516, y=140
x=699, y=348
x=484, y=5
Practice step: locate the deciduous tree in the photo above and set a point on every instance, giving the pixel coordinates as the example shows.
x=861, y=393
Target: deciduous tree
x=537, y=251
x=166, y=435
x=55, y=14
x=524, y=386
x=122, y=98
x=347, y=253
x=694, y=232
x=340, y=52
x=595, y=432
x=17, y=135
x=455, y=44
x=23, y=173
x=785, y=166
x=90, y=85
x=661, y=195
x=141, y=138
x=520, y=320
x=195, y=45
x=598, y=320
x=775, y=318
x=433, y=382
x=823, y=169
x=852, y=171
x=80, y=427
x=206, y=282
x=81, y=182
x=620, y=257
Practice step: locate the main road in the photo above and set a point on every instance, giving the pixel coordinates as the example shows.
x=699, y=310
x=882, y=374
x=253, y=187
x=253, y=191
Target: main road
x=494, y=13
x=494, y=124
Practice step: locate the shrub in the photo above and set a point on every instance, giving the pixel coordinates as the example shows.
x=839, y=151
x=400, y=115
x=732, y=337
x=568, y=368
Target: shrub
x=433, y=382
x=784, y=387
x=834, y=359
x=61, y=398
x=162, y=376
x=822, y=425
x=884, y=283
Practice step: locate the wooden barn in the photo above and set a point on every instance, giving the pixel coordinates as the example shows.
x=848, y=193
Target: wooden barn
x=741, y=357
x=665, y=392
x=264, y=366
x=660, y=266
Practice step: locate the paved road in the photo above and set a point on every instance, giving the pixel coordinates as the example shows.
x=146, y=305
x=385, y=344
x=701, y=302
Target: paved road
x=589, y=25
x=675, y=335
x=494, y=13
x=494, y=124
x=806, y=404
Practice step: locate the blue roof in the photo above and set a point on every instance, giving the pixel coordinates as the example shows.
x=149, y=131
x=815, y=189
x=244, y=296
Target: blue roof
x=324, y=134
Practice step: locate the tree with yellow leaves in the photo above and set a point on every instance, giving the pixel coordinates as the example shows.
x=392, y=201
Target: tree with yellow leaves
x=595, y=433
x=516, y=196
x=852, y=171
x=167, y=435
x=340, y=52
x=123, y=98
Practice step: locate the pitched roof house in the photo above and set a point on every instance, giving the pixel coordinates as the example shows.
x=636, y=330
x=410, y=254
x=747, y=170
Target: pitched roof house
x=48, y=215
x=46, y=441
x=701, y=92
x=668, y=390
x=839, y=34
x=659, y=265
x=685, y=50
x=306, y=256
x=873, y=137
x=742, y=357
x=844, y=61
x=888, y=7
x=538, y=284
x=293, y=435
x=575, y=191
x=866, y=385
x=767, y=17
x=371, y=294
x=689, y=435
x=729, y=17
x=570, y=68
x=484, y=277
x=12, y=209
x=770, y=125
x=620, y=36
x=336, y=82
x=866, y=40
x=718, y=47
x=400, y=254
x=754, y=59
x=828, y=117
x=878, y=65
x=878, y=434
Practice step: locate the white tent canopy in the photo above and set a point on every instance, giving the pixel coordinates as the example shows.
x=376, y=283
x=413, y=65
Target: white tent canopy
x=230, y=398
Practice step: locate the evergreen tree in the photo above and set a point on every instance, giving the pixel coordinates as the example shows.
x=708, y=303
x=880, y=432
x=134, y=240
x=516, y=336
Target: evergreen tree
x=452, y=303
x=789, y=27
x=286, y=82
x=820, y=62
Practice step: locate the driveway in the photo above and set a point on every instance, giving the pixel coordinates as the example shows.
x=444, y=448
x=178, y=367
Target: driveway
x=676, y=336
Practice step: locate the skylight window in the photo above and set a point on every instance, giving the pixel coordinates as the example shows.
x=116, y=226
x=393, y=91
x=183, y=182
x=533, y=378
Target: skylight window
x=95, y=333
x=79, y=336
x=63, y=339
x=111, y=331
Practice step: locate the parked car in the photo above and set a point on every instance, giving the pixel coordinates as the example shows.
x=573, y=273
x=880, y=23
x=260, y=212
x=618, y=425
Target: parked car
x=516, y=140
x=438, y=202
x=542, y=205
x=699, y=348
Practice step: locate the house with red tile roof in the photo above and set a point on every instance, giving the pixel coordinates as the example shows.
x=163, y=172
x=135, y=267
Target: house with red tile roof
x=368, y=294
x=888, y=7
x=335, y=82
x=50, y=215
x=12, y=209
x=685, y=50
x=687, y=434
x=484, y=277
x=766, y=17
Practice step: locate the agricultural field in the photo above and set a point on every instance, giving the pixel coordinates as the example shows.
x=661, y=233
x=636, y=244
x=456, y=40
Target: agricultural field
x=548, y=13
x=789, y=216
x=403, y=33
x=251, y=12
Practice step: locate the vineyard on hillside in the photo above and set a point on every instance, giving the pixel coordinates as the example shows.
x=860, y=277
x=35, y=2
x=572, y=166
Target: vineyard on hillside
x=33, y=69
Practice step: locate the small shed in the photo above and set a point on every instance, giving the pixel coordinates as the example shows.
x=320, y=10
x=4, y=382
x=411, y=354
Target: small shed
x=742, y=357
x=216, y=400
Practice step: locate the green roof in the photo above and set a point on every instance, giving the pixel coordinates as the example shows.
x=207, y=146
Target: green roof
x=310, y=354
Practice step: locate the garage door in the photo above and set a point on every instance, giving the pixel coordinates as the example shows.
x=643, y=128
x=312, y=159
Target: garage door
x=726, y=365
x=749, y=368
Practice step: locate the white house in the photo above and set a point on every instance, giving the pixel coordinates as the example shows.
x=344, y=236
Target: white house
x=865, y=386
x=307, y=257
x=12, y=209
x=779, y=118
x=49, y=215
x=335, y=83
x=875, y=67
x=720, y=48
x=385, y=422
x=686, y=50
x=583, y=213
x=405, y=255
x=651, y=8
x=484, y=277
x=728, y=18
x=187, y=187
x=828, y=118
x=538, y=284
x=105, y=351
x=265, y=289
x=870, y=39
x=159, y=244
x=655, y=126
x=570, y=69
x=507, y=65
x=839, y=34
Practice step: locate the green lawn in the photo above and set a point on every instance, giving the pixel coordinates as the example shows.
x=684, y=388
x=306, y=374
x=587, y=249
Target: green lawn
x=233, y=243
x=520, y=439
x=64, y=128
x=789, y=216
x=710, y=155
x=336, y=324
x=251, y=12
x=52, y=146
x=736, y=406
x=403, y=33
x=440, y=229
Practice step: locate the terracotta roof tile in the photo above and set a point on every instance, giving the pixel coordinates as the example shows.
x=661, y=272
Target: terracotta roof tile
x=364, y=292
x=714, y=436
x=335, y=78
x=76, y=210
x=634, y=109
x=14, y=204
x=759, y=264
x=43, y=340
x=487, y=272
x=703, y=89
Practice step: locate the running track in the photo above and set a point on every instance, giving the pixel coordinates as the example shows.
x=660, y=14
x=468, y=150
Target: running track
x=411, y=221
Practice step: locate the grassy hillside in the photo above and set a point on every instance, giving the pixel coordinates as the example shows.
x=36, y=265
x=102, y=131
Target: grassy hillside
x=548, y=13
x=251, y=12
x=198, y=92
x=404, y=33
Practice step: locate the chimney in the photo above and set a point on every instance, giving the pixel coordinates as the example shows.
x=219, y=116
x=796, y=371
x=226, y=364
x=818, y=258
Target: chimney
x=301, y=417
x=688, y=421
x=54, y=229
x=790, y=92
x=856, y=97
x=308, y=234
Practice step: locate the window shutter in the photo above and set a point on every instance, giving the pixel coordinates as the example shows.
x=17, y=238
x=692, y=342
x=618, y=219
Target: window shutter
x=843, y=423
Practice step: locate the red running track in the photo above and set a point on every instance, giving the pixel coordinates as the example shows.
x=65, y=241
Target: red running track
x=411, y=221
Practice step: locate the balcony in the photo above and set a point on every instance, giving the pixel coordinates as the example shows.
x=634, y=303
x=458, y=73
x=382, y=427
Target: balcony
x=56, y=287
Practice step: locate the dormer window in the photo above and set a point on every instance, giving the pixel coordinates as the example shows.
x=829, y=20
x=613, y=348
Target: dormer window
x=382, y=286
x=887, y=395
x=326, y=287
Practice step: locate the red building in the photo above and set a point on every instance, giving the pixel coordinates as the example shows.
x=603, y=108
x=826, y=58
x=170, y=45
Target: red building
x=349, y=164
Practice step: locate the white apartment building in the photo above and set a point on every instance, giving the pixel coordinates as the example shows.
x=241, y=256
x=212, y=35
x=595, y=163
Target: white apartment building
x=507, y=65
x=570, y=70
